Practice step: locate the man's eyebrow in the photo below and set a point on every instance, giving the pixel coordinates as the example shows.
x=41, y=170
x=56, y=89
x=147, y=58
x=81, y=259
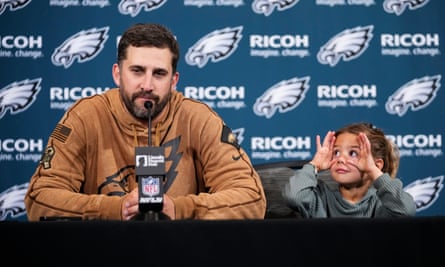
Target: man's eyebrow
x=136, y=66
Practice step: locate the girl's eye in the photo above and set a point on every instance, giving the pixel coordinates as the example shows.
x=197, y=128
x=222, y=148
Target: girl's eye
x=353, y=153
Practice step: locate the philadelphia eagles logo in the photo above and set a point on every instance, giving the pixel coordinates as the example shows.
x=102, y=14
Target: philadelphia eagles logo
x=266, y=7
x=398, y=6
x=133, y=7
x=12, y=202
x=425, y=192
x=416, y=94
x=13, y=4
x=283, y=96
x=83, y=46
x=347, y=45
x=239, y=133
x=18, y=96
x=215, y=46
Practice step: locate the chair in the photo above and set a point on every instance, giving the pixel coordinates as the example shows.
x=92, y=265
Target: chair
x=274, y=176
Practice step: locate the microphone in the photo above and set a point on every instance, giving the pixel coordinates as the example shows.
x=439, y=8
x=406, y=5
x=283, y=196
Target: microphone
x=148, y=105
x=150, y=172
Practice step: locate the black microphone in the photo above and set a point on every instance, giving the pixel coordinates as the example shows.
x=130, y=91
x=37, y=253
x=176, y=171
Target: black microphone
x=150, y=173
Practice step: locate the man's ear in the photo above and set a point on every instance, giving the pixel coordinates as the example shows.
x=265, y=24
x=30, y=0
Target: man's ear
x=116, y=74
x=379, y=163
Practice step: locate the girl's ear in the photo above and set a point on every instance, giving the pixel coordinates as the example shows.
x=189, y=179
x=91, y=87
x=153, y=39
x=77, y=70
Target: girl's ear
x=379, y=163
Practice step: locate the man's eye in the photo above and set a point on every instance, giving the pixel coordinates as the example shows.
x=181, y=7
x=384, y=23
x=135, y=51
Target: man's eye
x=159, y=74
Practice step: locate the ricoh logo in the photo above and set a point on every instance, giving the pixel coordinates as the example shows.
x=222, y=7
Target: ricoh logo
x=20, y=149
x=280, y=147
x=21, y=46
x=64, y=97
x=418, y=145
x=355, y=95
x=410, y=44
x=218, y=96
x=279, y=45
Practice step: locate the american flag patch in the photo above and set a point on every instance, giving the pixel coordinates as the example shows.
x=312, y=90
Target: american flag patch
x=61, y=133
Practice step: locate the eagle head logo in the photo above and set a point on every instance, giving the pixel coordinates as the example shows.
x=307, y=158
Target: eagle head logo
x=133, y=7
x=13, y=4
x=347, y=45
x=283, y=96
x=399, y=6
x=266, y=7
x=83, y=46
x=416, y=94
x=215, y=46
x=18, y=96
x=425, y=191
x=12, y=201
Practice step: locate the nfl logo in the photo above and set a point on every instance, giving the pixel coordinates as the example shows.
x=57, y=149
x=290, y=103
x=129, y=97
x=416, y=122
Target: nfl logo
x=150, y=186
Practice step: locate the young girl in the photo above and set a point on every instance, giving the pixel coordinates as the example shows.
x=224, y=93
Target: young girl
x=363, y=164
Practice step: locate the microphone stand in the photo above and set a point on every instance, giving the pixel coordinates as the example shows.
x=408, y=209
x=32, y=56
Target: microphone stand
x=151, y=212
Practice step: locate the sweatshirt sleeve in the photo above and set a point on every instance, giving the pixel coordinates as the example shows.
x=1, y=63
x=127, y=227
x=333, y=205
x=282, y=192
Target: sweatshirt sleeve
x=394, y=201
x=232, y=189
x=58, y=186
x=301, y=193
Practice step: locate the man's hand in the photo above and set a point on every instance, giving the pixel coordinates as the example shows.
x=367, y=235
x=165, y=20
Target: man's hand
x=130, y=205
x=169, y=207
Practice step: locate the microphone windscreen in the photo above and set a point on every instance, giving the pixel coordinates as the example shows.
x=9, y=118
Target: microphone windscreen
x=148, y=104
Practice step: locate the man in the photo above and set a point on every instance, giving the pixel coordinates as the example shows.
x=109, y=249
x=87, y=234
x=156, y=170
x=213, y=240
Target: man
x=88, y=168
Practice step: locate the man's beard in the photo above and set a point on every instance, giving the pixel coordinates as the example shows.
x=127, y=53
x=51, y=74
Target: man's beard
x=141, y=112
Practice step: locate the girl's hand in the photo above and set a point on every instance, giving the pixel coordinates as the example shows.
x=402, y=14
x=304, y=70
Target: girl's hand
x=366, y=162
x=323, y=158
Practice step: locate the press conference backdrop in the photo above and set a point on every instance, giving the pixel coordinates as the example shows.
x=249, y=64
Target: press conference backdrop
x=278, y=71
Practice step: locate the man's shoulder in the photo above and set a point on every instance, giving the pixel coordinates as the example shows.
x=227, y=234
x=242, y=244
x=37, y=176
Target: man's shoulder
x=92, y=102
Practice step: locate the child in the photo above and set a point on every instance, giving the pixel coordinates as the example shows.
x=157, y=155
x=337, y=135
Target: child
x=363, y=164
